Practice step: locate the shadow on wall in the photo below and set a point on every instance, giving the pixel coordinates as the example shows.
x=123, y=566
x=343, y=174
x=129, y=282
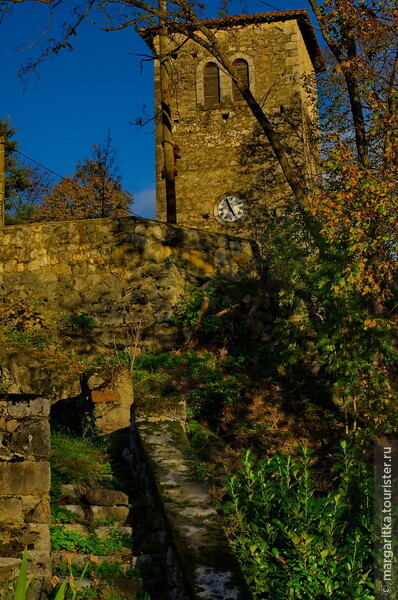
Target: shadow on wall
x=119, y=272
x=268, y=193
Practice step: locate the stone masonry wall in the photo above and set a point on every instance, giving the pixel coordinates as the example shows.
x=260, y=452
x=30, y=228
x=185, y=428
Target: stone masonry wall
x=222, y=149
x=121, y=272
x=24, y=489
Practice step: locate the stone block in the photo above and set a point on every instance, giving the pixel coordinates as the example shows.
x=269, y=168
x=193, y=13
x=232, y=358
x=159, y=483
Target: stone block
x=119, y=513
x=76, y=528
x=103, y=532
x=37, y=407
x=31, y=439
x=24, y=478
x=77, y=509
x=9, y=569
x=104, y=497
x=77, y=560
x=165, y=409
x=105, y=396
x=71, y=492
x=95, y=381
x=36, y=509
x=10, y=510
x=80, y=560
x=13, y=539
x=12, y=425
x=112, y=420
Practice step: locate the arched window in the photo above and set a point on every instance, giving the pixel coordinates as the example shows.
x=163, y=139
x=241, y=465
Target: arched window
x=242, y=70
x=211, y=84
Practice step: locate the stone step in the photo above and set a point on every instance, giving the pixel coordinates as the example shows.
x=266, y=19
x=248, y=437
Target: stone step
x=143, y=560
x=105, y=497
x=76, y=527
x=71, y=492
x=119, y=513
x=93, y=512
x=105, y=530
x=125, y=586
x=77, y=509
x=102, y=531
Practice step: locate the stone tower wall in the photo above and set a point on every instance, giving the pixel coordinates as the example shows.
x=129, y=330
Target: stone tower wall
x=222, y=148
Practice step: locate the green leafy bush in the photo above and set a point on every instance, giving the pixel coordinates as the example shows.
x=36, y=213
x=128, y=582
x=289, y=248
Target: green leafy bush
x=155, y=362
x=297, y=541
x=214, y=313
x=207, y=382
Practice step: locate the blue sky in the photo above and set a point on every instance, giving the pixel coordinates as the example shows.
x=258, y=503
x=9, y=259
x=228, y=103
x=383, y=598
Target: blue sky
x=77, y=97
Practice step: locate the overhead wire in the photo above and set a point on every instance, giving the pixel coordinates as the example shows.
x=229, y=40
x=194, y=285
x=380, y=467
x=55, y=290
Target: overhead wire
x=9, y=146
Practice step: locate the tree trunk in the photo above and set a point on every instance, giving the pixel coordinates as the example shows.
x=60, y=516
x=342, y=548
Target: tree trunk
x=167, y=138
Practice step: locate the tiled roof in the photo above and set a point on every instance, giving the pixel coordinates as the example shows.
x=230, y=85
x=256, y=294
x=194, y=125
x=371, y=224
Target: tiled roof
x=300, y=15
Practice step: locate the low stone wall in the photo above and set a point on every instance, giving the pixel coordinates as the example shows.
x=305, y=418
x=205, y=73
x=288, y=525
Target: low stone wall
x=120, y=272
x=200, y=564
x=24, y=489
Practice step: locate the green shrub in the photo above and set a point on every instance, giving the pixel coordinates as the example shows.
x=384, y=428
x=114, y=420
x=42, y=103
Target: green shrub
x=214, y=313
x=297, y=541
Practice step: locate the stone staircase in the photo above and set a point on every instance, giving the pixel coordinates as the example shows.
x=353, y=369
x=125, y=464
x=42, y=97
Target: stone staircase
x=93, y=509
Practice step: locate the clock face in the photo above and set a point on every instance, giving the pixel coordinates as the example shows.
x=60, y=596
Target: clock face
x=230, y=209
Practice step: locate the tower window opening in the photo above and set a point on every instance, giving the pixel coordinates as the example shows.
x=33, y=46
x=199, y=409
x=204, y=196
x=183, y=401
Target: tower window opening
x=242, y=70
x=211, y=81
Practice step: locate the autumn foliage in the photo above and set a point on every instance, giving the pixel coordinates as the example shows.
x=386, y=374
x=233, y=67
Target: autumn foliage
x=357, y=211
x=93, y=192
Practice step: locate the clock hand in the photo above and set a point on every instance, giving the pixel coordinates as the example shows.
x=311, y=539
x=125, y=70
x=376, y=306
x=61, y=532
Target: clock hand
x=230, y=207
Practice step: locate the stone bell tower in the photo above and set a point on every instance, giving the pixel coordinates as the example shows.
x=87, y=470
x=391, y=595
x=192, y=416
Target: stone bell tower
x=227, y=176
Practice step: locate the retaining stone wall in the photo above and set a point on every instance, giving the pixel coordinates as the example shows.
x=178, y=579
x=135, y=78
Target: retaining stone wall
x=24, y=488
x=121, y=272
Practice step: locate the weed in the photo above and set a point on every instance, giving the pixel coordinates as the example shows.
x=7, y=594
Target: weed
x=79, y=461
x=109, y=570
x=22, y=581
x=156, y=362
x=82, y=324
x=71, y=541
x=32, y=338
x=60, y=514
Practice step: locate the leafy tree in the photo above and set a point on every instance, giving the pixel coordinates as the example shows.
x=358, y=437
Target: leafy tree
x=23, y=184
x=93, y=192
